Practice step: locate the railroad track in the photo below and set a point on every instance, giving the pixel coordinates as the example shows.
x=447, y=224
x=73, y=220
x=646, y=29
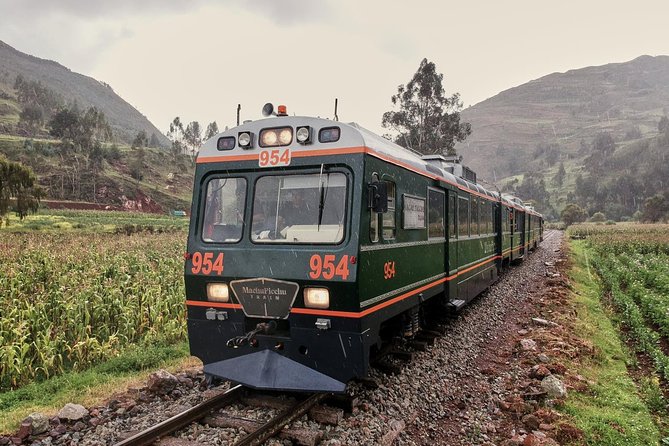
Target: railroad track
x=258, y=432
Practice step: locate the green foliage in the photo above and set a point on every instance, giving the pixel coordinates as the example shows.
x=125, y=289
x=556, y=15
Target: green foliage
x=71, y=300
x=193, y=137
x=17, y=183
x=35, y=94
x=559, y=175
x=140, y=140
x=212, y=129
x=572, y=213
x=32, y=118
x=656, y=208
x=611, y=411
x=598, y=217
x=426, y=120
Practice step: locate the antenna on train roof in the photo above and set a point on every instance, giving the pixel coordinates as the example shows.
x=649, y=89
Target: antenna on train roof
x=239, y=109
x=336, y=117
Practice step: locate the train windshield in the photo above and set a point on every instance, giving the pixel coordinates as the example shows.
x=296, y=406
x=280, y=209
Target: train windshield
x=224, y=210
x=299, y=209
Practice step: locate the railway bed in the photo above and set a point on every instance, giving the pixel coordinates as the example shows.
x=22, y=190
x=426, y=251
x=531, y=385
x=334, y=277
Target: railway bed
x=438, y=392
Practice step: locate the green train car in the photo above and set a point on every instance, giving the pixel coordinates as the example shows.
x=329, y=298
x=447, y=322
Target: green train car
x=312, y=241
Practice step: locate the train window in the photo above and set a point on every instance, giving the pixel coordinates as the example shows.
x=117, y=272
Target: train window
x=226, y=143
x=329, y=134
x=299, y=208
x=224, y=210
x=435, y=212
x=374, y=218
x=463, y=217
x=475, y=216
x=389, y=217
x=451, y=217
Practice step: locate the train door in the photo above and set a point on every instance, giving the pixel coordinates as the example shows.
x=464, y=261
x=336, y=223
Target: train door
x=452, y=233
x=521, y=232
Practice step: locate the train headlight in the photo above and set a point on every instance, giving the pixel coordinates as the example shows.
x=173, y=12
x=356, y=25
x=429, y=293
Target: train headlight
x=218, y=292
x=303, y=134
x=268, y=138
x=245, y=140
x=317, y=298
x=275, y=137
x=286, y=136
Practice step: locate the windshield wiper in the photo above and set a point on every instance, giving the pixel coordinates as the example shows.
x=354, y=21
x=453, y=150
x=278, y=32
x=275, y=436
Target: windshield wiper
x=321, y=200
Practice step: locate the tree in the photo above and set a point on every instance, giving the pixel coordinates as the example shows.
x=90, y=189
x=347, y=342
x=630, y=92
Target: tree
x=212, y=130
x=604, y=144
x=140, y=140
x=598, y=217
x=31, y=118
x=193, y=137
x=559, y=175
x=17, y=182
x=176, y=135
x=64, y=123
x=426, y=121
x=572, y=213
x=137, y=164
x=154, y=141
x=655, y=208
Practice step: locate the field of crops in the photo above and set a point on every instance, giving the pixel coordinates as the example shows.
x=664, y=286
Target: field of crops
x=93, y=221
x=71, y=299
x=633, y=262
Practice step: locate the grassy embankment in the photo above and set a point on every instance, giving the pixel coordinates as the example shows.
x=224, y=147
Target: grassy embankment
x=624, y=404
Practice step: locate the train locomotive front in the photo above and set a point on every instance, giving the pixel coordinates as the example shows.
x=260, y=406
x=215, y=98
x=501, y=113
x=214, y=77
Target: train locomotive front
x=312, y=242
x=272, y=256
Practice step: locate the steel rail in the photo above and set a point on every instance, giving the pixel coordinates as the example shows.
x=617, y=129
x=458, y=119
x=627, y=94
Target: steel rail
x=150, y=435
x=276, y=424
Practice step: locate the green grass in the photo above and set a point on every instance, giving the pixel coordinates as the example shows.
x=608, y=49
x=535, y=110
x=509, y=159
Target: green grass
x=612, y=412
x=91, y=386
x=92, y=221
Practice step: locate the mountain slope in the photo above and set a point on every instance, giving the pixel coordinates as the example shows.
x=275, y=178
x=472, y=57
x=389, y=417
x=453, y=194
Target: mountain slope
x=566, y=111
x=125, y=120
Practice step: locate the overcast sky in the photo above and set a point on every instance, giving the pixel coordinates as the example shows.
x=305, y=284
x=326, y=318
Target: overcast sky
x=198, y=59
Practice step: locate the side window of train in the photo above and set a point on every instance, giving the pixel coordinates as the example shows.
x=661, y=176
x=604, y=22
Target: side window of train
x=451, y=216
x=373, y=219
x=435, y=209
x=475, y=216
x=463, y=217
x=389, y=217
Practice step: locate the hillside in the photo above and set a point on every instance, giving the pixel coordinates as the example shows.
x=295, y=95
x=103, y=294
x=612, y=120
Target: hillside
x=124, y=119
x=148, y=180
x=556, y=118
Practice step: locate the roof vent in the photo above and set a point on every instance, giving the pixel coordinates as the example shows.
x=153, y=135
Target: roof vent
x=452, y=164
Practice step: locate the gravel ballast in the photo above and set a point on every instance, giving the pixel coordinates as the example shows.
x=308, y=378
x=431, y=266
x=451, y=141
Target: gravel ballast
x=455, y=393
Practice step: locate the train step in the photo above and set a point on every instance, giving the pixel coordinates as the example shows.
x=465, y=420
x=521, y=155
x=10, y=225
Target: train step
x=456, y=304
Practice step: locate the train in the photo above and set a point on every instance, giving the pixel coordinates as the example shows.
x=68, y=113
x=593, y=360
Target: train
x=313, y=242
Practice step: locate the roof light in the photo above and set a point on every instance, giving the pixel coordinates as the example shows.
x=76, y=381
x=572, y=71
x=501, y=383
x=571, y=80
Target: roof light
x=281, y=136
x=245, y=140
x=303, y=134
x=281, y=111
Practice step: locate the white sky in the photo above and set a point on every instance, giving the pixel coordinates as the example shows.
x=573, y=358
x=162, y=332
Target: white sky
x=198, y=59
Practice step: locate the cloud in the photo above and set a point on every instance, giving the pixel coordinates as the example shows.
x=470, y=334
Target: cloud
x=40, y=9
x=291, y=12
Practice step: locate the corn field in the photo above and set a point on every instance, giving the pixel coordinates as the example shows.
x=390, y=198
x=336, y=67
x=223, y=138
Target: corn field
x=69, y=300
x=633, y=263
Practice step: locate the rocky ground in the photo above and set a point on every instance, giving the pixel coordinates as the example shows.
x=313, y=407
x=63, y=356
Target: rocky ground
x=494, y=378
